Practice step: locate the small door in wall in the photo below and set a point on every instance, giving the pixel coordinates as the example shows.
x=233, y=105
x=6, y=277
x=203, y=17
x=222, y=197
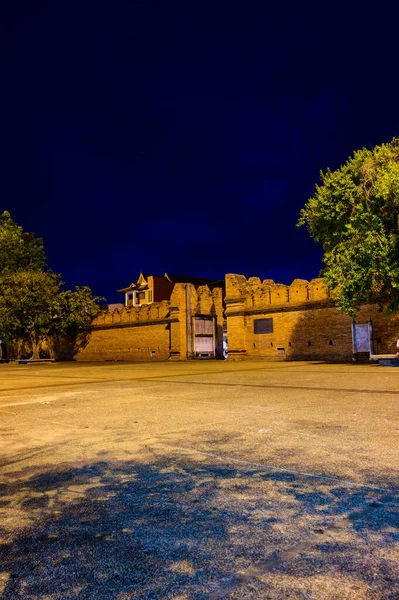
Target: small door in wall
x=362, y=337
x=204, y=337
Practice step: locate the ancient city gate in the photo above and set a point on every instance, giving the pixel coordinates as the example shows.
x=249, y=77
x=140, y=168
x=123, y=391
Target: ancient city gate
x=204, y=336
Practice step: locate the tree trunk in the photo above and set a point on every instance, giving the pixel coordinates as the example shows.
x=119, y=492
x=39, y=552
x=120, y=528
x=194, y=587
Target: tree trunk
x=35, y=350
x=52, y=347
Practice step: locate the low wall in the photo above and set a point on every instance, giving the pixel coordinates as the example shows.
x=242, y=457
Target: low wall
x=150, y=342
x=130, y=333
x=303, y=322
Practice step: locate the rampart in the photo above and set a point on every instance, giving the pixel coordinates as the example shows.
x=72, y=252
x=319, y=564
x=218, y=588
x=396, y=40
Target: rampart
x=300, y=321
x=156, y=331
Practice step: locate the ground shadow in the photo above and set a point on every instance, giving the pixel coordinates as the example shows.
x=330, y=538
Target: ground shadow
x=176, y=527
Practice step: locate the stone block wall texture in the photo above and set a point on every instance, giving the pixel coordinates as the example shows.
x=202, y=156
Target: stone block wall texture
x=149, y=342
x=157, y=331
x=306, y=323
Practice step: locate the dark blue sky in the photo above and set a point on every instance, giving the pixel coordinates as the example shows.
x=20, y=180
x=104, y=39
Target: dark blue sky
x=185, y=137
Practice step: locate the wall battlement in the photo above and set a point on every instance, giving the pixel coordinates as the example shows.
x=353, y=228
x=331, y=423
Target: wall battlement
x=253, y=292
x=130, y=315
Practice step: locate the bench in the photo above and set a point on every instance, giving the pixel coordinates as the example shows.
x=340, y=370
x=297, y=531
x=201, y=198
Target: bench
x=385, y=360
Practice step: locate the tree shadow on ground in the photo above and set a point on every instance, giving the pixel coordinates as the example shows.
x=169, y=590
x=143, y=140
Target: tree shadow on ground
x=184, y=528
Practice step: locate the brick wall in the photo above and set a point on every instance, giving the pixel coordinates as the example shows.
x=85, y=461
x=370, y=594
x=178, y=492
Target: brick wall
x=148, y=342
x=157, y=331
x=305, y=323
x=130, y=333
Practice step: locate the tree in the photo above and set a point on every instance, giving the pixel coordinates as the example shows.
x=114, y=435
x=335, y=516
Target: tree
x=354, y=214
x=27, y=306
x=19, y=250
x=72, y=317
x=33, y=305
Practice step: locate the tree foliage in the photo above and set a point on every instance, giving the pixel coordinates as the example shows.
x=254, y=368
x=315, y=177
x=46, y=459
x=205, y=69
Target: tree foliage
x=73, y=312
x=33, y=305
x=354, y=214
x=26, y=305
x=19, y=250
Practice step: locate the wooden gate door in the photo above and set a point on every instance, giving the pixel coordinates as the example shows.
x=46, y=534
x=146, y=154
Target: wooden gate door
x=204, y=331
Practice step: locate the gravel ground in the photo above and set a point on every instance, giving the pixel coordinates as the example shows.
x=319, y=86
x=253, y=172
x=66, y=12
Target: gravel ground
x=194, y=481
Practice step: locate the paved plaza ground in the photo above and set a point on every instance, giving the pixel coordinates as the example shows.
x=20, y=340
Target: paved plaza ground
x=199, y=480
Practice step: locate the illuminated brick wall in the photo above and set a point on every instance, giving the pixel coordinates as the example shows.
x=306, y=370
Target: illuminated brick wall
x=156, y=331
x=302, y=321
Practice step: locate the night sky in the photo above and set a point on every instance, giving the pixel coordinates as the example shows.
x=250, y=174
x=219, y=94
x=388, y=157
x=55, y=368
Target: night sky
x=185, y=137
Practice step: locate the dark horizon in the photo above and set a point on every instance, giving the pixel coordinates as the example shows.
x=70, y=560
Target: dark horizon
x=186, y=140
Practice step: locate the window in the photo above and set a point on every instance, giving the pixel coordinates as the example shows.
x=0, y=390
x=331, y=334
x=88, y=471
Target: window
x=140, y=295
x=263, y=326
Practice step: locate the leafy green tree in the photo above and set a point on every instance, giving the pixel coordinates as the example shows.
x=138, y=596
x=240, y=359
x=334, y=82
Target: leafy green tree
x=354, y=214
x=33, y=305
x=74, y=311
x=72, y=317
x=19, y=250
x=27, y=306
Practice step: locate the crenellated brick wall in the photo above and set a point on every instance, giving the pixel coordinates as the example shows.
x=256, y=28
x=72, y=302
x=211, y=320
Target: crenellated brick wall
x=156, y=331
x=264, y=320
x=305, y=322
